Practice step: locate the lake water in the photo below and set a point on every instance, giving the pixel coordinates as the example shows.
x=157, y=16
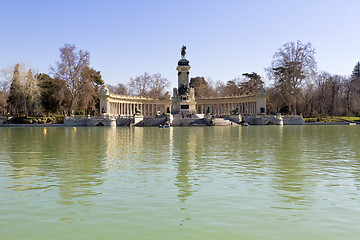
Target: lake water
x=256, y=182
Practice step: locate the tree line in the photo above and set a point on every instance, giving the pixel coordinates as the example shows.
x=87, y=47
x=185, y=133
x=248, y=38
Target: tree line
x=298, y=88
x=72, y=86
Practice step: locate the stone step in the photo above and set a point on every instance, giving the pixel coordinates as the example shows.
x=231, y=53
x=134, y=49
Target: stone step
x=153, y=121
x=222, y=122
x=199, y=122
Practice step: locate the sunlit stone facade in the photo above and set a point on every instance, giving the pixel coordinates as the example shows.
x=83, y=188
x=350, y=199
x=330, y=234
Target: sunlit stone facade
x=245, y=105
x=126, y=106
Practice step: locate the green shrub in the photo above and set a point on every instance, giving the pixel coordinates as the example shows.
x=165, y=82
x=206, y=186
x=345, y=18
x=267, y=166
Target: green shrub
x=30, y=121
x=35, y=121
x=81, y=112
x=59, y=119
x=49, y=120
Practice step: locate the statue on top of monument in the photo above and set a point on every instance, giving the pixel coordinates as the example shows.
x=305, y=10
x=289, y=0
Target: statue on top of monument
x=183, y=51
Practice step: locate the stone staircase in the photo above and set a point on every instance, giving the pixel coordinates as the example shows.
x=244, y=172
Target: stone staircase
x=152, y=121
x=199, y=122
x=222, y=122
x=188, y=120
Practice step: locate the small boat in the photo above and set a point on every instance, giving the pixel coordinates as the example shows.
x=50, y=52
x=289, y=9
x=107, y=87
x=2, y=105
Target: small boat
x=166, y=125
x=246, y=124
x=352, y=123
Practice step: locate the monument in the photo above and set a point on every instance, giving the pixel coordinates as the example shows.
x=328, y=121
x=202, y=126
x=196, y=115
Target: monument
x=182, y=108
x=183, y=99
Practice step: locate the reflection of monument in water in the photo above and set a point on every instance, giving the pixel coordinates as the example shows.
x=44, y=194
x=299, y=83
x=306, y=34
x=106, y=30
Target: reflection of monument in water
x=184, y=155
x=184, y=108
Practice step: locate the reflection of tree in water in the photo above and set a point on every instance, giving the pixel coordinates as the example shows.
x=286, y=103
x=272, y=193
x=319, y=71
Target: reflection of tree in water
x=81, y=165
x=69, y=160
x=292, y=176
x=354, y=145
x=337, y=154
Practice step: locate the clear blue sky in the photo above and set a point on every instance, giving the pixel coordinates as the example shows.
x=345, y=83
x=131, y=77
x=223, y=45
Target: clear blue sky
x=224, y=38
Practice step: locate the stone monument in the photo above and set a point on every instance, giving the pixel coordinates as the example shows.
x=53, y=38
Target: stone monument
x=183, y=96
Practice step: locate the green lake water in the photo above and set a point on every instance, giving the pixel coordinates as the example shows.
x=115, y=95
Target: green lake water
x=256, y=182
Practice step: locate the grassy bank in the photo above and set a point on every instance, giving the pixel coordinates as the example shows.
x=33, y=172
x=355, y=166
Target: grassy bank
x=332, y=119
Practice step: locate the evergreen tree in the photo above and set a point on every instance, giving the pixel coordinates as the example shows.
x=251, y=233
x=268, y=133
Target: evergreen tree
x=356, y=71
x=16, y=94
x=49, y=93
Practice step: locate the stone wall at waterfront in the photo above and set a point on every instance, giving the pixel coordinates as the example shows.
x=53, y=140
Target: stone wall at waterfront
x=89, y=121
x=183, y=120
x=2, y=119
x=273, y=120
x=293, y=120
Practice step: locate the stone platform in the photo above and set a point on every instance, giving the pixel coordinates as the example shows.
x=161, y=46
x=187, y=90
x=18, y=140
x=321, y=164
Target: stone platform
x=183, y=119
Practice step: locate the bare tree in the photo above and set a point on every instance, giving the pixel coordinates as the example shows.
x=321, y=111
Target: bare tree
x=157, y=86
x=32, y=93
x=148, y=85
x=121, y=89
x=3, y=102
x=70, y=68
x=140, y=85
x=307, y=105
x=275, y=101
x=293, y=65
x=355, y=89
